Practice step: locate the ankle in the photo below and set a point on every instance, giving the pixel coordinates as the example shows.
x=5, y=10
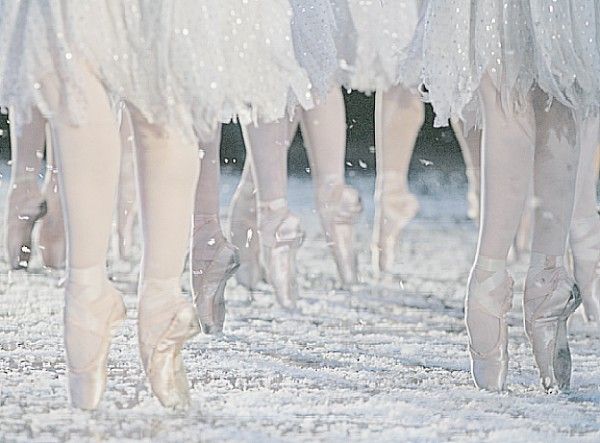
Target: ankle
x=540, y=261
x=270, y=215
x=208, y=236
x=86, y=283
x=157, y=294
x=392, y=183
x=485, y=267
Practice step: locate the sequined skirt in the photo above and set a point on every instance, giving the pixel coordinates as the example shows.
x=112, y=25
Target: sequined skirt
x=518, y=43
x=385, y=29
x=193, y=63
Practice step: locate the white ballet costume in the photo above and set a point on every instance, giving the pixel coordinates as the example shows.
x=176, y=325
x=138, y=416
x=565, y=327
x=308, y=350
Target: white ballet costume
x=505, y=61
x=384, y=30
x=147, y=54
x=323, y=34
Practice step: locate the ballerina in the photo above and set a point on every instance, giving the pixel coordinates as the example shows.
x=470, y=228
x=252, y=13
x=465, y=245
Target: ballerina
x=261, y=223
x=96, y=55
x=508, y=54
x=29, y=205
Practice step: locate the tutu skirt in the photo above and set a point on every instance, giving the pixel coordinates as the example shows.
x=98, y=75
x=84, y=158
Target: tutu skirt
x=324, y=41
x=518, y=43
x=193, y=63
x=385, y=28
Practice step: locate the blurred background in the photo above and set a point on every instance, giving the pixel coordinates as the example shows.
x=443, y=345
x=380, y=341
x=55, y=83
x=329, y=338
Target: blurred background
x=436, y=149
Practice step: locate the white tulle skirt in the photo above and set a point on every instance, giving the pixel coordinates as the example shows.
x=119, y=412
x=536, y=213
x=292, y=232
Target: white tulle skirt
x=385, y=28
x=193, y=63
x=518, y=43
x=325, y=42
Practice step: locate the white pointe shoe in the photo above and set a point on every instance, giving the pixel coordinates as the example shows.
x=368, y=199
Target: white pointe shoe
x=243, y=233
x=51, y=231
x=278, y=252
x=550, y=297
x=339, y=213
x=486, y=306
x=585, y=248
x=90, y=322
x=393, y=211
x=209, y=278
x=25, y=206
x=473, y=210
x=165, y=322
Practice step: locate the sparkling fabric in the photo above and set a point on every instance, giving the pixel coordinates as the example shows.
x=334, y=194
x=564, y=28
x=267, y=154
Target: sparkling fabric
x=187, y=62
x=325, y=42
x=520, y=43
x=385, y=28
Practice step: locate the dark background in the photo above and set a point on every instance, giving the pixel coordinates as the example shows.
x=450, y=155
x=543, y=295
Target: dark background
x=434, y=145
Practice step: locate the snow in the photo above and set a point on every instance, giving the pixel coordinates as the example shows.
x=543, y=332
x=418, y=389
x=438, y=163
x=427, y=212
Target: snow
x=380, y=364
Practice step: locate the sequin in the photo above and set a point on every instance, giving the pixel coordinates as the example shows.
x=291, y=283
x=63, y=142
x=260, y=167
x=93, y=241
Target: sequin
x=519, y=43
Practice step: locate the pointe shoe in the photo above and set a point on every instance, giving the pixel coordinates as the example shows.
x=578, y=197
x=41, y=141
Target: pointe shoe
x=89, y=326
x=278, y=255
x=392, y=213
x=165, y=323
x=51, y=231
x=339, y=213
x=243, y=234
x=550, y=297
x=25, y=206
x=585, y=248
x=486, y=306
x=209, y=278
x=473, y=204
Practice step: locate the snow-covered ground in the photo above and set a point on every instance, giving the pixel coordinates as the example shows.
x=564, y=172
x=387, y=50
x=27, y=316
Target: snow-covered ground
x=381, y=364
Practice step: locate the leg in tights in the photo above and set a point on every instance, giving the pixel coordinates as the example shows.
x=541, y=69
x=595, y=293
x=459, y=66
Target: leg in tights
x=470, y=146
x=555, y=175
x=243, y=229
x=324, y=130
x=88, y=158
x=88, y=164
x=507, y=165
x=167, y=170
x=51, y=230
x=399, y=115
x=208, y=236
x=550, y=294
x=505, y=181
x=24, y=200
x=165, y=161
x=279, y=232
x=584, y=236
